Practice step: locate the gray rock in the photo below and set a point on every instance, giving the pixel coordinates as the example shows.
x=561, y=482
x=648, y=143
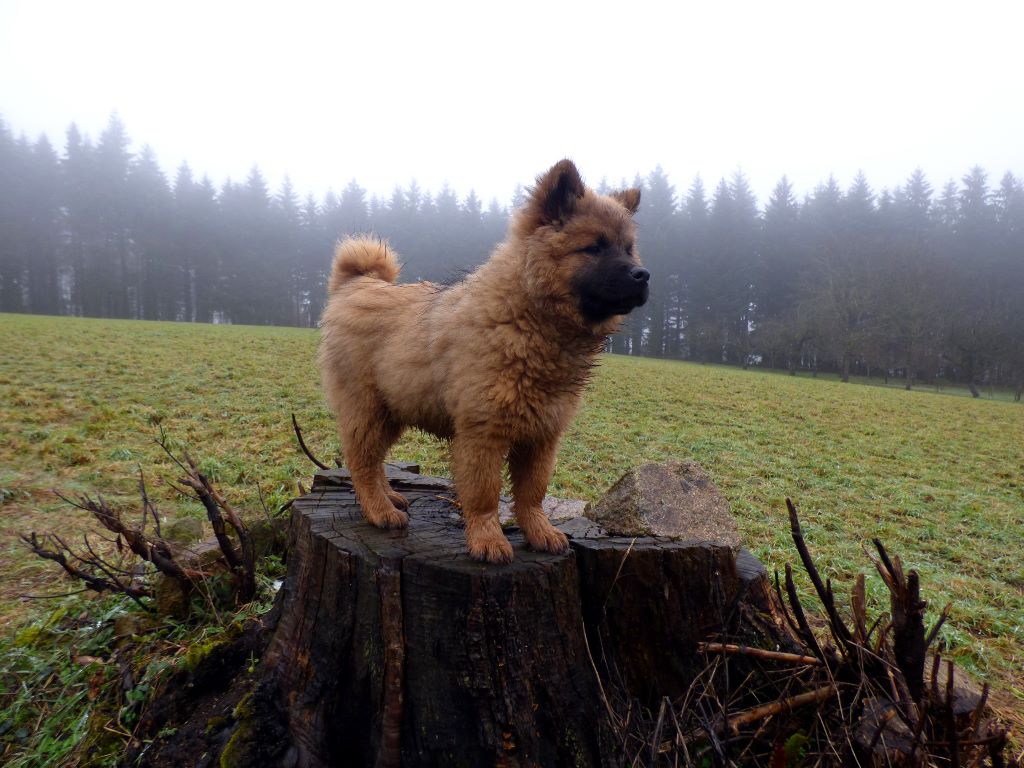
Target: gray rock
x=882, y=736
x=168, y=597
x=269, y=536
x=966, y=691
x=204, y=555
x=124, y=628
x=676, y=499
x=184, y=530
x=555, y=508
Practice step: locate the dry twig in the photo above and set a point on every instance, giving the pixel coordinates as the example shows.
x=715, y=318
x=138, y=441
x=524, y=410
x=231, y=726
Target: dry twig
x=760, y=653
x=302, y=445
x=107, y=583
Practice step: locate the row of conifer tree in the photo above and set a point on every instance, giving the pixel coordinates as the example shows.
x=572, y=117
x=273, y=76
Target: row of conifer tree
x=913, y=282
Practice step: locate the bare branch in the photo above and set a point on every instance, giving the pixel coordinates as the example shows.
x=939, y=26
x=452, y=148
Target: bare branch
x=825, y=595
x=147, y=506
x=91, y=580
x=938, y=625
x=154, y=551
x=760, y=653
x=302, y=445
x=241, y=561
x=754, y=714
x=798, y=612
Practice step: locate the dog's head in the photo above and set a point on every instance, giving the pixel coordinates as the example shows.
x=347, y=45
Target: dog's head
x=581, y=246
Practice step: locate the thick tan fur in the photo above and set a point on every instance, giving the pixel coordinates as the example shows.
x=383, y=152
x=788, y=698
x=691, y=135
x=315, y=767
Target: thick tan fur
x=362, y=256
x=495, y=362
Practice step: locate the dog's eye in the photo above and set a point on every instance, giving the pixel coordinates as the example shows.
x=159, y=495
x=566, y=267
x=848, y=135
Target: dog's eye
x=597, y=247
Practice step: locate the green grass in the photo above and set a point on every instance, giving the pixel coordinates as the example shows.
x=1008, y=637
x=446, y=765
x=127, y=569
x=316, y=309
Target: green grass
x=39, y=662
x=937, y=386
x=940, y=479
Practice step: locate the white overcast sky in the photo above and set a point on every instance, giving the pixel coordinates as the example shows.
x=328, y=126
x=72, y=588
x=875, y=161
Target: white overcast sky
x=484, y=95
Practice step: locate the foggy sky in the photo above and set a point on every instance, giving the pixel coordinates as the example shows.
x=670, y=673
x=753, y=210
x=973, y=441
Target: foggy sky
x=485, y=96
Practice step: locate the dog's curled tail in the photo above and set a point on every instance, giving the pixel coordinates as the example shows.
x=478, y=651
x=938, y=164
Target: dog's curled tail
x=363, y=256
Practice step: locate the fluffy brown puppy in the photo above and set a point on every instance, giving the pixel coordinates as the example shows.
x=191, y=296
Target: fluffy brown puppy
x=495, y=362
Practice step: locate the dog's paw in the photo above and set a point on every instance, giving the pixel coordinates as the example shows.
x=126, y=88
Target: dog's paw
x=397, y=499
x=542, y=536
x=491, y=550
x=386, y=516
x=487, y=543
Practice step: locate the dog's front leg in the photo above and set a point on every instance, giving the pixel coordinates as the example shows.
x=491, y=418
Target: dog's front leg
x=530, y=466
x=476, y=465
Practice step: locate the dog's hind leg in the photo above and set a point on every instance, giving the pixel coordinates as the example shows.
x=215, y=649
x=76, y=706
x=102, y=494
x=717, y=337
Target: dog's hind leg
x=530, y=466
x=365, y=443
x=476, y=465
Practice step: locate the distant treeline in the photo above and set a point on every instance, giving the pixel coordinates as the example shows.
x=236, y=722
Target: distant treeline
x=904, y=282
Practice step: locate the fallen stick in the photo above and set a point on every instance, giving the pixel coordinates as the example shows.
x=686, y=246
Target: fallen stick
x=760, y=653
x=748, y=716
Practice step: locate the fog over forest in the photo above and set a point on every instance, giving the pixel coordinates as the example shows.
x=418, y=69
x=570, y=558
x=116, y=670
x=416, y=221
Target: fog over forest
x=921, y=282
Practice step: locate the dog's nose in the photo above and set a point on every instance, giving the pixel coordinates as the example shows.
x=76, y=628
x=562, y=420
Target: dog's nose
x=640, y=274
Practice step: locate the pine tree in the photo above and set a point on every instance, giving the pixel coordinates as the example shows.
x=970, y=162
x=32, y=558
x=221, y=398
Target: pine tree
x=13, y=168
x=975, y=208
x=116, y=268
x=153, y=296
x=286, y=236
x=312, y=259
x=84, y=223
x=353, y=213
x=1008, y=202
x=782, y=330
x=657, y=234
x=916, y=201
x=693, y=248
x=495, y=222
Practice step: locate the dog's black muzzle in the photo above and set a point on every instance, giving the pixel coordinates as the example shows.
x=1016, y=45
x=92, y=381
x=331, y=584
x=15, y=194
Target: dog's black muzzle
x=612, y=289
x=640, y=278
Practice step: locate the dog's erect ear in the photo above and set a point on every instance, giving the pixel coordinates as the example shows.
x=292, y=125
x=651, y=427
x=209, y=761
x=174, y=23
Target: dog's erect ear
x=556, y=193
x=630, y=199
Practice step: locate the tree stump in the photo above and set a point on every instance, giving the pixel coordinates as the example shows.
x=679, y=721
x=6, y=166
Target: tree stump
x=395, y=648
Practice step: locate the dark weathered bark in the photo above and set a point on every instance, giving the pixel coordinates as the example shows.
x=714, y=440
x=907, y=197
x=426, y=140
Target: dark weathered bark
x=910, y=644
x=628, y=585
x=395, y=648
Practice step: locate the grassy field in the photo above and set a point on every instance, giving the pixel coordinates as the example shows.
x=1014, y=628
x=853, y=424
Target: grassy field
x=940, y=479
